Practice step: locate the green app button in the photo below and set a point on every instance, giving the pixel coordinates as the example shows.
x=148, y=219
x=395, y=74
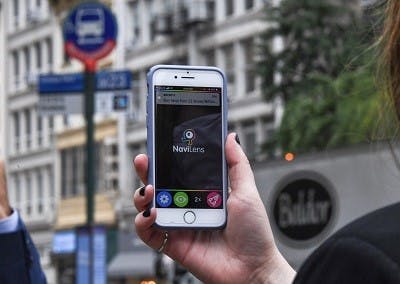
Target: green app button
x=181, y=199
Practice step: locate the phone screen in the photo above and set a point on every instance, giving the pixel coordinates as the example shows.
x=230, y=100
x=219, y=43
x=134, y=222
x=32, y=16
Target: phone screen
x=188, y=148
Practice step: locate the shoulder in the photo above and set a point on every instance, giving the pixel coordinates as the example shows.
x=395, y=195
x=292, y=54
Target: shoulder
x=19, y=261
x=365, y=251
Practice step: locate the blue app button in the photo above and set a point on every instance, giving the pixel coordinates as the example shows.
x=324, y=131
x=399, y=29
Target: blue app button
x=164, y=199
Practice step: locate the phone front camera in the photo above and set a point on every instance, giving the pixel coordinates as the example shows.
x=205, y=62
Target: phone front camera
x=175, y=77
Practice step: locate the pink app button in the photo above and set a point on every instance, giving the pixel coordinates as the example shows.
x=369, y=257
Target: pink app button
x=214, y=200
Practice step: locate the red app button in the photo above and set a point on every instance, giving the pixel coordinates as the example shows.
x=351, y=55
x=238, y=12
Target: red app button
x=214, y=199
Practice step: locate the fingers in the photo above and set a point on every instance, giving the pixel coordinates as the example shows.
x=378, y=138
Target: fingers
x=142, y=197
x=152, y=236
x=240, y=173
x=141, y=165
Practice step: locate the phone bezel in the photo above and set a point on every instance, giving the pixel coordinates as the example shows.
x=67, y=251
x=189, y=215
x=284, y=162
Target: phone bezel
x=196, y=77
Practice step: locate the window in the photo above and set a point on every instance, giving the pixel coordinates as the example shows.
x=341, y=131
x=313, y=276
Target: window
x=18, y=191
x=250, y=73
x=249, y=4
x=228, y=7
x=74, y=156
x=209, y=57
x=27, y=115
x=73, y=161
x=137, y=91
x=39, y=130
x=229, y=66
x=114, y=150
x=64, y=176
x=28, y=194
x=135, y=150
x=49, y=49
x=51, y=185
x=231, y=127
x=38, y=51
x=65, y=120
x=27, y=59
x=16, y=68
x=40, y=196
x=134, y=29
x=249, y=137
x=16, y=13
x=16, y=131
x=51, y=127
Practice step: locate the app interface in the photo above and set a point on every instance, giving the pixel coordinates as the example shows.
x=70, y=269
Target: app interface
x=188, y=147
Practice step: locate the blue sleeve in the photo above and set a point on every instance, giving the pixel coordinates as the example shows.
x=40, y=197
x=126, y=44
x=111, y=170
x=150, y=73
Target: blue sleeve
x=19, y=259
x=10, y=224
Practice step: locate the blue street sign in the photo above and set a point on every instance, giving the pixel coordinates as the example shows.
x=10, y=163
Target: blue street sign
x=82, y=256
x=63, y=94
x=64, y=83
x=73, y=82
x=64, y=242
x=100, y=255
x=116, y=80
x=90, y=31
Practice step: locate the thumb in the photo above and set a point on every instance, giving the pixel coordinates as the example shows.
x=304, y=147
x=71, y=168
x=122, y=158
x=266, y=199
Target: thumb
x=239, y=170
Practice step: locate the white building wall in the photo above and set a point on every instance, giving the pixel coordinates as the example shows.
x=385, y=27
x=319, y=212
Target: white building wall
x=3, y=131
x=25, y=31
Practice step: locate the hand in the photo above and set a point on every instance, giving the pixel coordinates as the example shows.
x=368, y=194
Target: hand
x=244, y=252
x=5, y=209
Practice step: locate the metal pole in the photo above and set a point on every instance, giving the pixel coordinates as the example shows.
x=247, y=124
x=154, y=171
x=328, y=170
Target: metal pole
x=89, y=88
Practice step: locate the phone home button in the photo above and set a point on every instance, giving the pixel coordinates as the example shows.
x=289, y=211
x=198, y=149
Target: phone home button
x=189, y=217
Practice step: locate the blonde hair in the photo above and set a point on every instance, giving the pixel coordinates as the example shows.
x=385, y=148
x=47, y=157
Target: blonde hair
x=390, y=42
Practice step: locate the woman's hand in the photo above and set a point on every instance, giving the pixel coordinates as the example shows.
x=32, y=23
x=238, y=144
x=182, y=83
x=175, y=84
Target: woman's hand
x=244, y=252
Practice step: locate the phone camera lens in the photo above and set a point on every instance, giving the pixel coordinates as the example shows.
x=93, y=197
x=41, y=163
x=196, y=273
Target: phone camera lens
x=175, y=77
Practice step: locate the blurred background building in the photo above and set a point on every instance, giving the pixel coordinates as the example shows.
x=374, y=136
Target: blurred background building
x=45, y=155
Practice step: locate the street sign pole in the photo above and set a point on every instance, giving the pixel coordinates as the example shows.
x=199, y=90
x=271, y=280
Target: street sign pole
x=90, y=32
x=89, y=89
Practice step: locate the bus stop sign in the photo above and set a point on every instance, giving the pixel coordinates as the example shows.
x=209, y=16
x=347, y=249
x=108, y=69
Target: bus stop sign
x=90, y=32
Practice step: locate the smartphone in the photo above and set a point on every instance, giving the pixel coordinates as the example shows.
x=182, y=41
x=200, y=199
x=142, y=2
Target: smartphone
x=186, y=132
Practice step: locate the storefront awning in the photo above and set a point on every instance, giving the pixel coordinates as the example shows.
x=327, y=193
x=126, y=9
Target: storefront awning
x=72, y=212
x=135, y=264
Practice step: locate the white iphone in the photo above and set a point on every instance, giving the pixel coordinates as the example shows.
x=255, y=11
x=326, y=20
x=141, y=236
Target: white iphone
x=186, y=132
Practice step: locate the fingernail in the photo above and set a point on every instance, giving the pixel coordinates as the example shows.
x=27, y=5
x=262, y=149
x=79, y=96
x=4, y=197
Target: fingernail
x=146, y=212
x=237, y=139
x=141, y=190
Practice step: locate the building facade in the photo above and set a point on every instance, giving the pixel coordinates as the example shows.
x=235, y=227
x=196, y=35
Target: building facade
x=28, y=45
x=45, y=155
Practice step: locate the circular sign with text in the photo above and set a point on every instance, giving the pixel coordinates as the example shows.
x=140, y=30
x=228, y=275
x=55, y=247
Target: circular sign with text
x=303, y=209
x=90, y=31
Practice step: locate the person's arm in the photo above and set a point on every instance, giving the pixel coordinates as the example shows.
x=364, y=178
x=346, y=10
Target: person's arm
x=19, y=259
x=244, y=252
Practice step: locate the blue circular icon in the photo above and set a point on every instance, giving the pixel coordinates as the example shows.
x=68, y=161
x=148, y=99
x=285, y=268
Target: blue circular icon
x=164, y=199
x=90, y=31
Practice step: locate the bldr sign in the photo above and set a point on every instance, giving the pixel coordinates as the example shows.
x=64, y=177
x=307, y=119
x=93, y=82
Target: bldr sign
x=302, y=209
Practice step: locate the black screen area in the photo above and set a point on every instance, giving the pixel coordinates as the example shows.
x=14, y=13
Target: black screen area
x=188, y=147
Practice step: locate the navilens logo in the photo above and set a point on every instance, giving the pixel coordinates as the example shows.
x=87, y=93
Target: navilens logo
x=188, y=136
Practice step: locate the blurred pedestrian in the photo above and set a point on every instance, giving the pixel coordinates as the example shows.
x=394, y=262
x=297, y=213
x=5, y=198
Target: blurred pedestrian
x=365, y=251
x=19, y=259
